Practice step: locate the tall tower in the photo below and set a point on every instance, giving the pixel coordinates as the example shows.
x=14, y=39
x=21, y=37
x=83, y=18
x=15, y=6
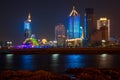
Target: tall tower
x=27, y=27
x=74, y=31
x=102, y=23
x=60, y=35
x=89, y=24
x=74, y=25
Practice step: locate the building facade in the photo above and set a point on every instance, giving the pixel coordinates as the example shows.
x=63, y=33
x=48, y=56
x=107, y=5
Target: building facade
x=27, y=27
x=99, y=35
x=60, y=35
x=74, y=31
x=104, y=22
x=89, y=25
x=103, y=31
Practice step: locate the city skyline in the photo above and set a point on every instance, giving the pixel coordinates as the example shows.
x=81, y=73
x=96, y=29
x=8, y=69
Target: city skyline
x=46, y=14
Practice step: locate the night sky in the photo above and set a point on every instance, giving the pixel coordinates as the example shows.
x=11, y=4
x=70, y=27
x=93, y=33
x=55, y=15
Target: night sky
x=45, y=14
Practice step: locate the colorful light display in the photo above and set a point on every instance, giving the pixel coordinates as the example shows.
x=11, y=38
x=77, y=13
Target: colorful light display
x=31, y=42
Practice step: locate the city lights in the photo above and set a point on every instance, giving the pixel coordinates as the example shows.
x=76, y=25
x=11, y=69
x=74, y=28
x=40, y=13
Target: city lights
x=77, y=33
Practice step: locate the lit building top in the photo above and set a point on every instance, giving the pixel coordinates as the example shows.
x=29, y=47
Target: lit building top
x=103, y=19
x=29, y=18
x=103, y=22
x=73, y=12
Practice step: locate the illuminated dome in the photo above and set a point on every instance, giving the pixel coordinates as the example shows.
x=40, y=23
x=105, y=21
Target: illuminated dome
x=44, y=41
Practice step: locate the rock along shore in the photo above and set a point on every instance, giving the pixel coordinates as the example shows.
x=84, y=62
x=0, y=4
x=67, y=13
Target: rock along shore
x=70, y=74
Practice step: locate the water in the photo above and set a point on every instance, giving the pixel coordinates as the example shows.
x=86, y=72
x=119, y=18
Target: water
x=57, y=63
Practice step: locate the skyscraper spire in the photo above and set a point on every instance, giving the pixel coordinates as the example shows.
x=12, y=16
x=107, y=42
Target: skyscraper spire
x=73, y=12
x=73, y=7
x=29, y=17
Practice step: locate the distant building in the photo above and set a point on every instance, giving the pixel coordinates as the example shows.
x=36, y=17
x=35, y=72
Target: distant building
x=27, y=27
x=99, y=35
x=60, y=35
x=89, y=25
x=74, y=31
x=104, y=22
x=102, y=32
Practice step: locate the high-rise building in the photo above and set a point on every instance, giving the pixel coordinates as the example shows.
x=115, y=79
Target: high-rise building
x=74, y=25
x=27, y=27
x=102, y=23
x=99, y=35
x=89, y=24
x=60, y=35
x=74, y=31
x=103, y=31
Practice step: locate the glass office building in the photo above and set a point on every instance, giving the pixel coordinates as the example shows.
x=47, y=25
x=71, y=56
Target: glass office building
x=74, y=30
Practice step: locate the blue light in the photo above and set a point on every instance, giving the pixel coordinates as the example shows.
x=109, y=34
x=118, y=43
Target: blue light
x=75, y=61
x=85, y=27
x=76, y=27
x=27, y=29
x=74, y=30
x=70, y=28
x=27, y=26
x=27, y=62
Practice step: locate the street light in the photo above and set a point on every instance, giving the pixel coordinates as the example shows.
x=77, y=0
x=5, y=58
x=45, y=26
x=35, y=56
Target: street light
x=9, y=44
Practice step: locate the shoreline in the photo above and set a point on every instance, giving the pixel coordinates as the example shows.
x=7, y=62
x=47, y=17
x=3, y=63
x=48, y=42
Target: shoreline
x=70, y=74
x=62, y=51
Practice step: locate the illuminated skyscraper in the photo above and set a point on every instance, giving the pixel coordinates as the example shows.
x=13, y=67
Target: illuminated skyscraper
x=27, y=27
x=74, y=25
x=60, y=35
x=104, y=22
x=74, y=31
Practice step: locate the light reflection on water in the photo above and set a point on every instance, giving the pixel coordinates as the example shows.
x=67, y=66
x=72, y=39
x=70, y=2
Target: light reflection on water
x=54, y=62
x=9, y=61
x=27, y=62
x=74, y=61
x=105, y=60
x=57, y=62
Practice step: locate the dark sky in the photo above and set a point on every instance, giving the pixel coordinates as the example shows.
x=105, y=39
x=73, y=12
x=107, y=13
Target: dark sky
x=45, y=14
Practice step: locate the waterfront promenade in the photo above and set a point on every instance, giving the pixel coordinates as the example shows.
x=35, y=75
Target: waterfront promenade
x=63, y=50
